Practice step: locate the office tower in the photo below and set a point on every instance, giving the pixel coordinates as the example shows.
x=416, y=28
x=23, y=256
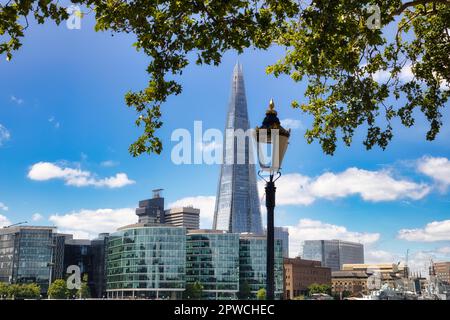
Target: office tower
x=78, y=252
x=99, y=250
x=151, y=210
x=237, y=203
x=282, y=234
x=212, y=258
x=333, y=253
x=252, y=264
x=187, y=217
x=26, y=255
x=88, y=255
x=59, y=240
x=146, y=262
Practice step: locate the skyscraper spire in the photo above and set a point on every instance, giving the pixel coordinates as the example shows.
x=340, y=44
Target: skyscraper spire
x=237, y=203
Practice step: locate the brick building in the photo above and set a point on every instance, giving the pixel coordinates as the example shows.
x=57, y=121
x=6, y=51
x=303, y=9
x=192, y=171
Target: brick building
x=299, y=274
x=353, y=283
x=442, y=271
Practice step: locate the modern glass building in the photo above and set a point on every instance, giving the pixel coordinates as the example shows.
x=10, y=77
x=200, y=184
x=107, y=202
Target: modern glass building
x=99, y=253
x=26, y=255
x=89, y=256
x=252, y=264
x=146, y=261
x=333, y=253
x=212, y=259
x=282, y=233
x=237, y=203
x=79, y=252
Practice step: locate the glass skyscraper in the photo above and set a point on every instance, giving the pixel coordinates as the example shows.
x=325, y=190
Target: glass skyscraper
x=237, y=203
x=146, y=262
x=252, y=264
x=212, y=258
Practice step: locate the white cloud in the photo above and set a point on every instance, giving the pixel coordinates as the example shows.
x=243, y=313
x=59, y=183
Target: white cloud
x=444, y=250
x=436, y=168
x=43, y=171
x=16, y=100
x=370, y=185
x=37, y=217
x=381, y=75
x=204, y=203
x=380, y=256
x=3, y=206
x=433, y=231
x=4, y=135
x=89, y=223
x=109, y=163
x=375, y=186
x=291, y=124
x=420, y=261
x=292, y=189
x=308, y=229
x=4, y=221
x=445, y=85
x=405, y=74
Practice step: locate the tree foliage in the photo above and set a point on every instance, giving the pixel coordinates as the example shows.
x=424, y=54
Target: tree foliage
x=245, y=291
x=58, y=290
x=84, y=291
x=261, y=294
x=194, y=291
x=328, y=44
x=319, y=288
x=332, y=45
x=20, y=291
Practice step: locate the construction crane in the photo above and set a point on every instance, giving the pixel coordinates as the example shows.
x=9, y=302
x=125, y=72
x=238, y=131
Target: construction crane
x=406, y=264
x=16, y=224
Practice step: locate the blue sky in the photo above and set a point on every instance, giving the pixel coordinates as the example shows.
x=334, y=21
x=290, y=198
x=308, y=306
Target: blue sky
x=62, y=105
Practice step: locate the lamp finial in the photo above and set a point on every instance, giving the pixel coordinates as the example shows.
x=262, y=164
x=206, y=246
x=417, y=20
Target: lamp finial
x=271, y=109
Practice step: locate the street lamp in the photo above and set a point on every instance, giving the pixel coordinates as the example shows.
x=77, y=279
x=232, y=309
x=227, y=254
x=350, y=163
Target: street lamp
x=272, y=141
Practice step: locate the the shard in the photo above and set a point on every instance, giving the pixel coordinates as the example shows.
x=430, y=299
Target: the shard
x=237, y=203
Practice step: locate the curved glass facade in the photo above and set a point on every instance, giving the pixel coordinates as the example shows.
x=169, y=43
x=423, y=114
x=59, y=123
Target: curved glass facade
x=212, y=258
x=252, y=264
x=147, y=262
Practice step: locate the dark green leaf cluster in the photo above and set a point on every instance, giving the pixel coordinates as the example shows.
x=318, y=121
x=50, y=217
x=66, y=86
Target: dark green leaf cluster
x=194, y=291
x=332, y=46
x=328, y=43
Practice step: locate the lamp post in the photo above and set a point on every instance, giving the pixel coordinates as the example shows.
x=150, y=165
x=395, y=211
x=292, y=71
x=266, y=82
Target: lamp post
x=272, y=142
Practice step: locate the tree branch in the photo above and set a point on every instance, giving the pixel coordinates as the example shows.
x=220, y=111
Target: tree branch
x=414, y=3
